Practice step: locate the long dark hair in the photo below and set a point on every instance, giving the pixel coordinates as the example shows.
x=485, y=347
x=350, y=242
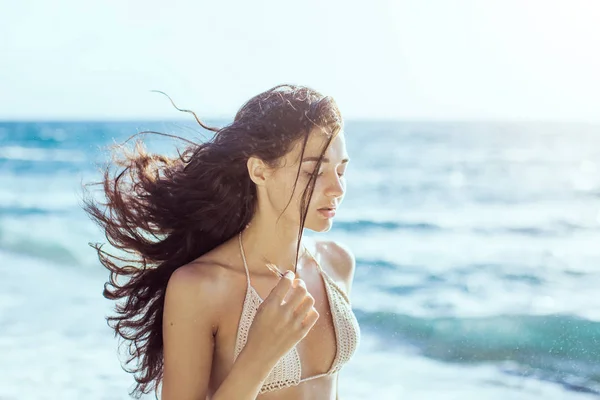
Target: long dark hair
x=165, y=212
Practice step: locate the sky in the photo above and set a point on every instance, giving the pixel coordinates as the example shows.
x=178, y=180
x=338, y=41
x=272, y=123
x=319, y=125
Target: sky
x=392, y=59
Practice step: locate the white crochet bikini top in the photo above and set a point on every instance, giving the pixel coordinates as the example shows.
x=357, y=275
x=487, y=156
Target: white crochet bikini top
x=288, y=371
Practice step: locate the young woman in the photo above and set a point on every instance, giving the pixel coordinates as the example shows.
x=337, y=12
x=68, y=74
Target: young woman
x=222, y=297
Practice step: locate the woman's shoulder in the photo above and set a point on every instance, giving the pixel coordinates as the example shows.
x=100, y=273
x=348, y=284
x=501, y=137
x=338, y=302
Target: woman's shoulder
x=213, y=267
x=339, y=259
x=195, y=283
x=206, y=281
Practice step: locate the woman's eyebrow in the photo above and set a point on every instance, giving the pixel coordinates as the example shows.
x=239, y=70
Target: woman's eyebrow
x=325, y=159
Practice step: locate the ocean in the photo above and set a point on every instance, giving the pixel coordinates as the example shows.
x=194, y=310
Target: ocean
x=477, y=248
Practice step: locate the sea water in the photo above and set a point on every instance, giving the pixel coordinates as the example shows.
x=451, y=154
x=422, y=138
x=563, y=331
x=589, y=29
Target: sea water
x=477, y=247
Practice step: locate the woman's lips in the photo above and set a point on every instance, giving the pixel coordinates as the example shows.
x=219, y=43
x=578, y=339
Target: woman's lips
x=327, y=213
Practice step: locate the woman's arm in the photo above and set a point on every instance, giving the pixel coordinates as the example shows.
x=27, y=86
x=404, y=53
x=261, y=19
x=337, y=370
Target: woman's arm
x=245, y=379
x=343, y=263
x=189, y=323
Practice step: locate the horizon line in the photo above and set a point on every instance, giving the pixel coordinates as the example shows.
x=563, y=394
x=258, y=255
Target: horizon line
x=346, y=120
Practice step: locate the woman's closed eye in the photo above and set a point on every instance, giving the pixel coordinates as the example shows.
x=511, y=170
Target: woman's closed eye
x=309, y=173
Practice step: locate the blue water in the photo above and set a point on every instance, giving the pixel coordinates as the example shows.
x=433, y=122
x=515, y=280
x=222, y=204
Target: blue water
x=477, y=246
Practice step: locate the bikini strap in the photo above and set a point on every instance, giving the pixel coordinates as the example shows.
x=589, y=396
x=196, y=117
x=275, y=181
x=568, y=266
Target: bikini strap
x=246, y=264
x=244, y=259
x=313, y=257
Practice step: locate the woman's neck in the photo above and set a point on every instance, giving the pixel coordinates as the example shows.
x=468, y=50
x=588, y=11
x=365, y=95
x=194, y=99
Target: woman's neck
x=266, y=240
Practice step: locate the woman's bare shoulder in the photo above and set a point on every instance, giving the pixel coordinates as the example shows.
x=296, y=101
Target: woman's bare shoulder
x=194, y=288
x=339, y=258
x=204, y=282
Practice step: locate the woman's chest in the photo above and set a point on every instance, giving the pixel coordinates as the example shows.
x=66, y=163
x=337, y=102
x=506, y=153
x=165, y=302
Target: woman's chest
x=316, y=351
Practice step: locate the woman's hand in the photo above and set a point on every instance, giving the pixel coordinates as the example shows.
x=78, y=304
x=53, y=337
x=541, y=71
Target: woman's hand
x=282, y=320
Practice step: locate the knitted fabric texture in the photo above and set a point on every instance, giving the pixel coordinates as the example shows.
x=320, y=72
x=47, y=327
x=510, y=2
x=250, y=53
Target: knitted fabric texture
x=288, y=370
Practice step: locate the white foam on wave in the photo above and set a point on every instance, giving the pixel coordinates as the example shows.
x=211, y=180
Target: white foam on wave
x=54, y=341
x=19, y=153
x=380, y=371
x=55, y=344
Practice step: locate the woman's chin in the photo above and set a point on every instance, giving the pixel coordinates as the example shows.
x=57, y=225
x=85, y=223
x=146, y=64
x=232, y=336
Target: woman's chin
x=323, y=225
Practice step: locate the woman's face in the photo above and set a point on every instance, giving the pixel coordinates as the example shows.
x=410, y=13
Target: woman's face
x=330, y=185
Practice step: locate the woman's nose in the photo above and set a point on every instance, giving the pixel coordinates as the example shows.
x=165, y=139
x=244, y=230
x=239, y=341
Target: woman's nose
x=336, y=186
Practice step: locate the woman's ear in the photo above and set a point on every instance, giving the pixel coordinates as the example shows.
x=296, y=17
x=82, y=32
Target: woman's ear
x=258, y=170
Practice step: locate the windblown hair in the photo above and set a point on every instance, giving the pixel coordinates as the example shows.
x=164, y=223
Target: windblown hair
x=166, y=212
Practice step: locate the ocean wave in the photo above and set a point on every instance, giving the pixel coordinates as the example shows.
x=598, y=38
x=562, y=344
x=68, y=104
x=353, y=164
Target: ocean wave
x=36, y=154
x=28, y=211
x=560, y=348
x=556, y=229
x=377, y=264
x=48, y=251
x=360, y=225
x=551, y=229
x=47, y=236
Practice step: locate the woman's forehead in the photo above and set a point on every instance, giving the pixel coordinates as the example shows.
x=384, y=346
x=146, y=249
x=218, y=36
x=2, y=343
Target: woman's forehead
x=314, y=146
